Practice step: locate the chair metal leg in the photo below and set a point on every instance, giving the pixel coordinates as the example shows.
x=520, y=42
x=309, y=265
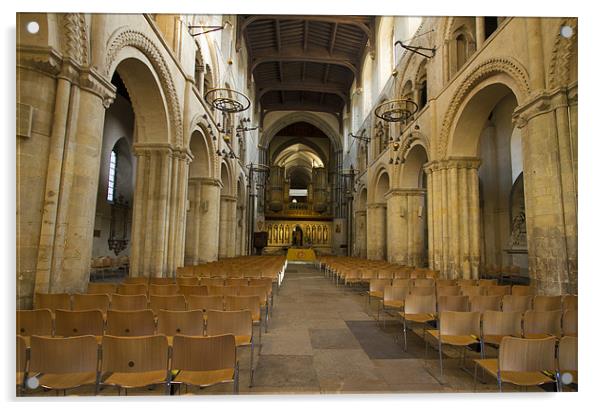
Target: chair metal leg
x=252, y=370
x=236, y=372
x=499, y=381
x=405, y=340
x=441, y=357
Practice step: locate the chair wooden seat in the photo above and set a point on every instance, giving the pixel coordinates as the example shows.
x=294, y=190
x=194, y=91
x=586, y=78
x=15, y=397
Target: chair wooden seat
x=537, y=335
x=242, y=340
x=456, y=340
x=66, y=381
x=205, y=378
x=133, y=380
x=397, y=304
x=518, y=378
x=493, y=339
x=376, y=294
x=418, y=317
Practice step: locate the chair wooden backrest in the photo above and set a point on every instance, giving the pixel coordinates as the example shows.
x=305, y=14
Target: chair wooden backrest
x=445, y=282
x=569, y=322
x=378, y=285
x=537, y=323
x=522, y=290
x=452, y=303
x=52, y=301
x=163, y=290
x=497, y=323
x=401, y=275
x=468, y=282
x=418, y=274
x=213, y=302
x=236, y=322
x=171, y=323
x=458, y=323
x=497, y=290
x=423, y=282
x=211, y=282
x=483, y=303
x=63, y=355
x=260, y=291
x=133, y=289
x=130, y=323
x=208, y=353
x=569, y=302
x=134, y=354
x=517, y=303
x=422, y=290
x=136, y=280
x=162, y=281
x=448, y=290
x=385, y=274
x=91, y=301
x=472, y=290
x=68, y=323
x=34, y=322
x=416, y=304
x=544, y=303
x=185, y=272
x=401, y=282
x=567, y=354
x=187, y=281
x=251, y=303
x=102, y=288
x=527, y=355
x=396, y=293
x=487, y=282
x=188, y=290
x=237, y=281
x=172, y=302
x=129, y=302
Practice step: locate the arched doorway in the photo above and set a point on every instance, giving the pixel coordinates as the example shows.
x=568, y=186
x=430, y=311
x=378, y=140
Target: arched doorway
x=377, y=219
x=297, y=239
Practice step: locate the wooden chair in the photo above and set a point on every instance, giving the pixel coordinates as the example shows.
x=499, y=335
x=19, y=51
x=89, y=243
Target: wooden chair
x=452, y=303
x=136, y=280
x=171, y=323
x=445, y=282
x=472, y=290
x=250, y=303
x=173, y=302
x=401, y=275
x=211, y=282
x=487, y=282
x=393, y=299
x=567, y=360
x=132, y=362
x=417, y=309
x=522, y=290
x=187, y=290
x=21, y=364
x=569, y=302
x=205, y=361
x=517, y=303
x=423, y=282
x=496, y=325
x=91, y=302
x=163, y=290
x=377, y=288
x=185, y=272
x=467, y=282
x=237, y=282
x=483, y=303
x=64, y=363
x=456, y=328
x=422, y=290
x=262, y=292
x=205, y=303
x=162, y=281
x=129, y=302
x=187, y=281
x=267, y=284
x=133, y=289
x=542, y=324
x=497, y=290
x=545, y=303
x=569, y=322
x=102, y=288
x=402, y=282
x=238, y=323
x=52, y=301
x=522, y=362
x=69, y=323
x=130, y=323
x=448, y=291
x=34, y=322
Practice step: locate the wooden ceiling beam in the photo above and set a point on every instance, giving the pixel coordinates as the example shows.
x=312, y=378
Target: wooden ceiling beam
x=314, y=58
x=305, y=34
x=326, y=72
x=359, y=22
x=278, y=42
x=333, y=37
x=339, y=90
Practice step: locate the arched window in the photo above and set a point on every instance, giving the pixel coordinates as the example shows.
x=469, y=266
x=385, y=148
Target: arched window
x=207, y=80
x=460, y=50
x=421, y=86
x=491, y=24
x=198, y=71
x=112, y=175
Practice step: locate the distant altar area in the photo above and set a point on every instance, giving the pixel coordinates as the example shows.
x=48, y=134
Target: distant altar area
x=301, y=254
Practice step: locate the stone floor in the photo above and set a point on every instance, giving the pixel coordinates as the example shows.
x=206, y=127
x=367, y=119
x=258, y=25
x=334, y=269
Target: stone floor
x=325, y=339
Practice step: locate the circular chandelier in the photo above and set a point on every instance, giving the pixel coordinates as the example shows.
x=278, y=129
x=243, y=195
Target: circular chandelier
x=227, y=100
x=399, y=110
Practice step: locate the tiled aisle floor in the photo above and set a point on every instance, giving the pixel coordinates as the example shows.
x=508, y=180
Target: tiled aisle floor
x=325, y=339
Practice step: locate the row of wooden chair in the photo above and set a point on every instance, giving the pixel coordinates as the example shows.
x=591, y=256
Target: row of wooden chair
x=173, y=289
x=127, y=362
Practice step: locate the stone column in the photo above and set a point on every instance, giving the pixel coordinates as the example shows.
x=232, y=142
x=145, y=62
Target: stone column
x=227, y=221
x=405, y=228
x=480, y=29
x=550, y=192
x=377, y=231
x=202, y=228
x=360, y=234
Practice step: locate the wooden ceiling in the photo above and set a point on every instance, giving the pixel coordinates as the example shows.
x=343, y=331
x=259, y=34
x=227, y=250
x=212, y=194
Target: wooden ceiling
x=305, y=63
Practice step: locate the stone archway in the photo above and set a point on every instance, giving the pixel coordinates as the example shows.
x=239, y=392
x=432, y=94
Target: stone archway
x=227, y=214
x=377, y=217
x=361, y=227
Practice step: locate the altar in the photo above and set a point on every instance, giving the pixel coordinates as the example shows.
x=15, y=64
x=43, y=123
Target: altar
x=301, y=255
